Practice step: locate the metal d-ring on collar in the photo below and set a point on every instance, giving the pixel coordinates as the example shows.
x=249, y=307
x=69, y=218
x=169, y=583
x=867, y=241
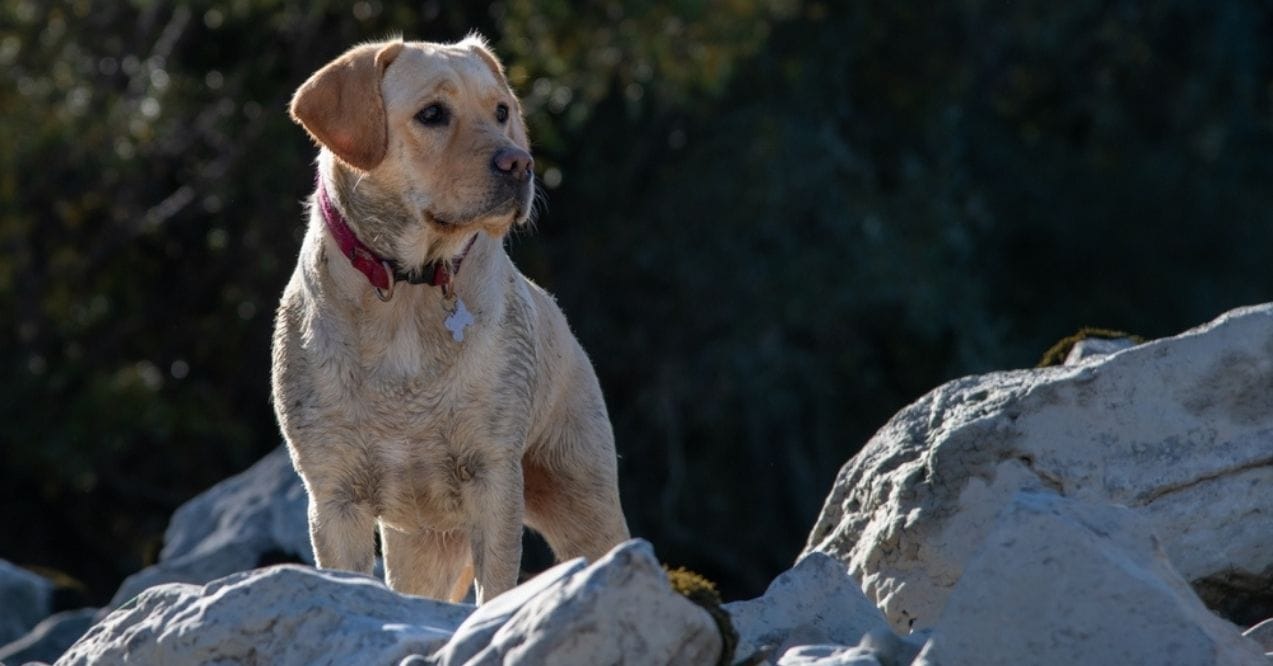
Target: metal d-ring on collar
x=442, y=278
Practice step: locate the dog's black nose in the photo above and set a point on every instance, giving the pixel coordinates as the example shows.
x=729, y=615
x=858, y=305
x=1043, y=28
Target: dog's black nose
x=513, y=162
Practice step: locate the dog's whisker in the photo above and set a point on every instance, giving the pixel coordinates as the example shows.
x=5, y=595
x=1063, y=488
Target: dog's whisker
x=538, y=207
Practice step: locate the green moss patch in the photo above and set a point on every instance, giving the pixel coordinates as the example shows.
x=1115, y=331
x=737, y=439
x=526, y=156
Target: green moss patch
x=703, y=592
x=1055, y=355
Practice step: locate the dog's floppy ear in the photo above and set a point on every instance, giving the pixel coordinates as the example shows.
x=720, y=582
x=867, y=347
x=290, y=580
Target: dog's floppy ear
x=341, y=107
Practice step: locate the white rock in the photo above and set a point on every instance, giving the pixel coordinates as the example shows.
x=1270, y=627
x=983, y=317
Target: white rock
x=230, y=527
x=1064, y=582
x=475, y=634
x=1180, y=430
x=829, y=655
x=50, y=638
x=878, y=648
x=288, y=614
x=1262, y=633
x=621, y=609
x=1091, y=347
x=816, y=601
x=25, y=599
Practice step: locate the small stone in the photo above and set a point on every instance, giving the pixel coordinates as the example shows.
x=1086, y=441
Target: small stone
x=816, y=601
x=50, y=638
x=475, y=634
x=621, y=609
x=25, y=599
x=878, y=648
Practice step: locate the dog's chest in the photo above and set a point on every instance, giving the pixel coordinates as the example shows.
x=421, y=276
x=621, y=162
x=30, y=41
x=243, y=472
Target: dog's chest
x=401, y=358
x=402, y=347
x=411, y=385
x=422, y=424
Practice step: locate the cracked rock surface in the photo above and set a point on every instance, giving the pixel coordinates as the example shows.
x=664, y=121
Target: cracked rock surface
x=1179, y=429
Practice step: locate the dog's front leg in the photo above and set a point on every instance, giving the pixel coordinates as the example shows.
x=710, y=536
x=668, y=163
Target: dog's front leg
x=342, y=533
x=497, y=531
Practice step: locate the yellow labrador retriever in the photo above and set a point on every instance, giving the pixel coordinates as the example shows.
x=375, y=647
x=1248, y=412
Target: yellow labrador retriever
x=423, y=384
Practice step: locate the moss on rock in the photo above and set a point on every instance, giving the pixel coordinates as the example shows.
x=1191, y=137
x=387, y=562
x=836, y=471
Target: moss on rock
x=703, y=592
x=1056, y=354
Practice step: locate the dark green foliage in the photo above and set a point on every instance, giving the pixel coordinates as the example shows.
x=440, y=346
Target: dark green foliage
x=1056, y=354
x=771, y=224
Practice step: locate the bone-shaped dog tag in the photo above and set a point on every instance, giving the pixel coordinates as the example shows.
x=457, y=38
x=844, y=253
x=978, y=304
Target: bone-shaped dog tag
x=458, y=320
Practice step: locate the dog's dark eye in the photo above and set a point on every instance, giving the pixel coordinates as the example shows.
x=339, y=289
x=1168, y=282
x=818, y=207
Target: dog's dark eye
x=433, y=115
x=501, y=113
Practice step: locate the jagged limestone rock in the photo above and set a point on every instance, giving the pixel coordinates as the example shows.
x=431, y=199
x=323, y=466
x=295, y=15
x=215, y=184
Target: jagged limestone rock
x=1180, y=430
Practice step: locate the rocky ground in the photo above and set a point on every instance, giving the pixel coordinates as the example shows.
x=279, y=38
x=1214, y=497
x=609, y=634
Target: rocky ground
x=1115, y=510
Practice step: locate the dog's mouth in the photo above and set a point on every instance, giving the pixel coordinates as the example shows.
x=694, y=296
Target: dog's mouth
x=506, y=212
x=495, y=210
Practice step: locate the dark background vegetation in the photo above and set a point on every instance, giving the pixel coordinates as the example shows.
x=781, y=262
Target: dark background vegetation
x=772, y=224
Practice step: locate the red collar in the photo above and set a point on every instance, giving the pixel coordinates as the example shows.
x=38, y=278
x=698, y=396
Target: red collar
x=381, y=272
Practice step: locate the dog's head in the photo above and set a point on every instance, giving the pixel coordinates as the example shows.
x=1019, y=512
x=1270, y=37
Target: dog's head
x=431, y=134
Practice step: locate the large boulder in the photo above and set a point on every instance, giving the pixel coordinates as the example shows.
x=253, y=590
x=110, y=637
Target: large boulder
x=1180, y=430
x=619, y=609
x=1063, y=582
x=254, y=518
x=25, y=599
x=287, y=614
